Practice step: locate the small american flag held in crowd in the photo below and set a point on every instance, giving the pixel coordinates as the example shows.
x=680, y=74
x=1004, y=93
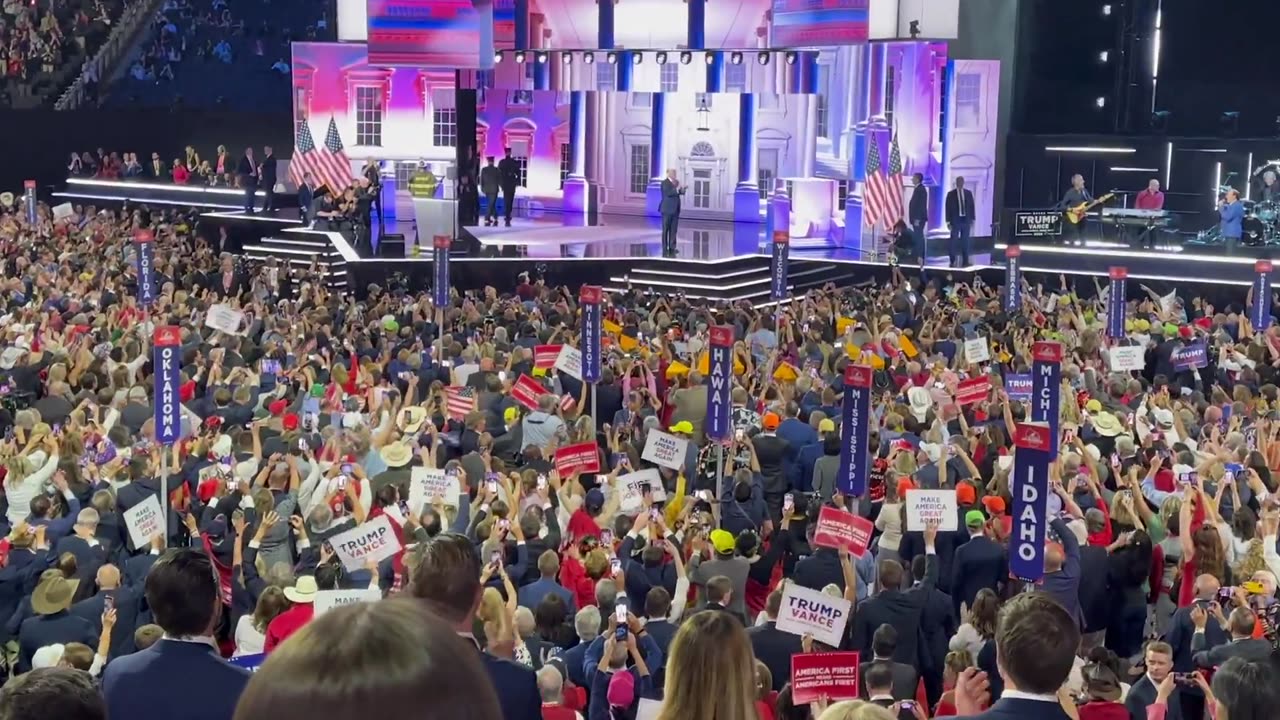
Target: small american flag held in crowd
x=459, y=401
x=566, y=402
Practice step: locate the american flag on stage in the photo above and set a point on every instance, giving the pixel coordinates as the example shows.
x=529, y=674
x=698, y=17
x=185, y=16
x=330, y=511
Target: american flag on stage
x=883, y=193
x=332, y=166
x=459, y=401
x=304, y=155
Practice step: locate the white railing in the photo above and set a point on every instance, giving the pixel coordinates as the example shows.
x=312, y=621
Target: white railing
x=119, y=41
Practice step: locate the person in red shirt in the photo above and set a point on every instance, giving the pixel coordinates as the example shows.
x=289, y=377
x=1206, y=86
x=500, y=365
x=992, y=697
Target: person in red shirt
x=303, y=596
x=1151, y=198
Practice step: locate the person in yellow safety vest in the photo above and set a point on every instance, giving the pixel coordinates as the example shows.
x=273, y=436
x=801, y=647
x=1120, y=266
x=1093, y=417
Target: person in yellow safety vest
x=423, y=183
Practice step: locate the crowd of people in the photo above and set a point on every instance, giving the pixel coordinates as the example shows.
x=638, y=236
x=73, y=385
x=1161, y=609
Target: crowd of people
x=515, y=587
x=41, y=38
x=221, y=169
x=210, y=41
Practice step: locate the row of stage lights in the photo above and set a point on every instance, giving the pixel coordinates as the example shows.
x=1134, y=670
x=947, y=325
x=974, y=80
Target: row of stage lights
x=637, y=57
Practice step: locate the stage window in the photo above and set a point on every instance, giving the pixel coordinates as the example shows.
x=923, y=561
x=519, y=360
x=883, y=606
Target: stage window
x=604, y=76
x=639, y=100
x=523, y=162
x=824, y=108
x=299, y=110
x=944, y=103
x=735, y=77
x=842, y=194
x=638, y=169
x=444, y=127
x=766, y=170
x=521, y=98
x=702, y=189
x=768, y=101
x=890, y=93
x=405, y=172
x=703, y=99
x=564, y=163
x=968, y=100
x=669, y=76
x=369, y=115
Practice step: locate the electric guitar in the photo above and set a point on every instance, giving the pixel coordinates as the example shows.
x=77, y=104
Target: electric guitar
x=1078, y=213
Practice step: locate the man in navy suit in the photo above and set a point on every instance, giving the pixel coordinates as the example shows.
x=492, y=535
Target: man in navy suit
x=894, y=607
x=979, y=563
x=448, y=580
x=549, y=567
x=959, y=213
x=182, y=675
x=670, y=209
x=1036, y=644
x=306, y=196
x=798, y=434
x=937, y=625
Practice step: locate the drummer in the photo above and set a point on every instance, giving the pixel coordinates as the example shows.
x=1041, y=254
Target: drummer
x=1270, y=190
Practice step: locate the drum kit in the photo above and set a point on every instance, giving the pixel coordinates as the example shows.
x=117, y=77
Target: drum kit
x=1261, y=224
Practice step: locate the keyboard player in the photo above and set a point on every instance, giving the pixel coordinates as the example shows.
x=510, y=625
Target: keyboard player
x=1151, y=198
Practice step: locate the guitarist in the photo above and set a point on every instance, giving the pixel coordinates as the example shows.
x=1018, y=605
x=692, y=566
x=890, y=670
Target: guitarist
x=1076, y=195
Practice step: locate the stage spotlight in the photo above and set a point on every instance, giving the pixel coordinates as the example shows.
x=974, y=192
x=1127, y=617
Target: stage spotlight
x=612, y=57
x=791, y=58
x=763, y=58
x=588, y=58
x=1106, y=9
x=710, y=57
x=736, y=58
x=1100, y=102
x=1104, y=56
x=520, y=56
x=661, y=58
x=540, y=57
x=686, y=58
x=497, y=57
x=637, y=58
x=566, y=58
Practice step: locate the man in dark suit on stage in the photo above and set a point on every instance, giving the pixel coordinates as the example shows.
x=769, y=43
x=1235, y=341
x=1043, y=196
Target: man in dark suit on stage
x=959, y=213
x=306, y=195
x=509, y=179
x=670, y=209
x=247, y=170
x=267, y=178
x=448, y=581
x=1036, y=643
x=918, y=214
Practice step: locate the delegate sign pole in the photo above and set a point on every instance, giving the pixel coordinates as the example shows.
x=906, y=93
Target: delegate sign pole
x=720, y=374
x=168, y=406
x=1260, y=313
x=778, y=265
x=591, y=297
x=1116, y=303
x=1030, y=501
x=440, y=245
x=1012, y=278
x=855, y=424
x=1046, y=390
x=144, y=249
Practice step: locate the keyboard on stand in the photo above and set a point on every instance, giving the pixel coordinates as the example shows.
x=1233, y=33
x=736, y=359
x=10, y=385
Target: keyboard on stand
x=1148, y=220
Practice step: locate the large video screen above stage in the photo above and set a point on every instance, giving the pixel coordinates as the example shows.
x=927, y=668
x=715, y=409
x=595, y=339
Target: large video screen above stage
x=418, y=28
x=431, y=33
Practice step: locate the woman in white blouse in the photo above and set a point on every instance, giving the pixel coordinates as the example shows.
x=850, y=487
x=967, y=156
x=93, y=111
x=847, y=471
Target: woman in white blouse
x=251, y=630
x=979, y=624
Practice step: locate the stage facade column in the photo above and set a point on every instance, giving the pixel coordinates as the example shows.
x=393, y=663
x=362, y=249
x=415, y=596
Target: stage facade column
x=715, y=71
x=604, y=31
x=746, y=197
x=576, y=196
x=860, y=117
x=521, y=39
x=657, y=154
x=697, y=23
